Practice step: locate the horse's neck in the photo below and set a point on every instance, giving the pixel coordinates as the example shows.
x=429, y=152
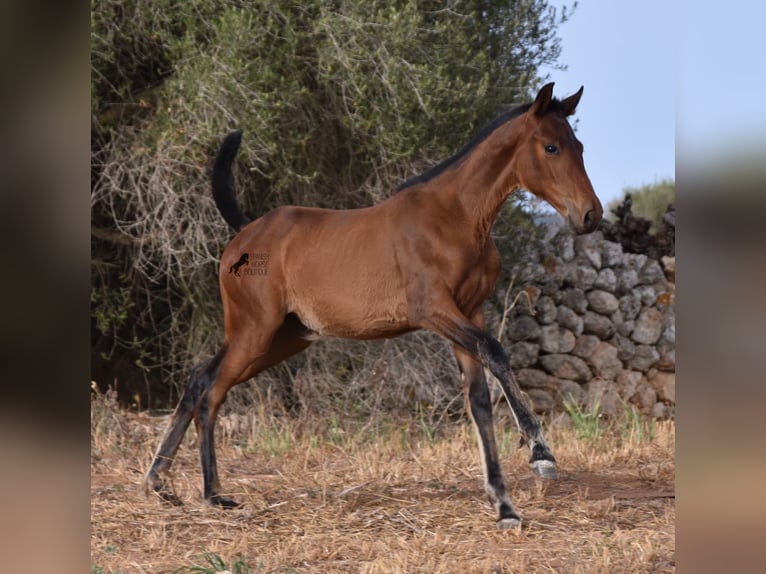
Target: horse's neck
x=487, y=177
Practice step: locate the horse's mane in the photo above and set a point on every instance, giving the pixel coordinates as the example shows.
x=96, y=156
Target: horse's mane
x=439, y=168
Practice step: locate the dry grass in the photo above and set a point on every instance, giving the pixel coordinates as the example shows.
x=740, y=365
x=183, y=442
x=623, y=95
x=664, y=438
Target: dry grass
x=385, y=496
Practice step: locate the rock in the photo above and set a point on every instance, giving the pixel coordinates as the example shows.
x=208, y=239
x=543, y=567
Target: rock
x=667, y=361
x=569, y=391
x=602, y=301
x=526, y=300
x=606, y=280
x=588, y=246
x=627, y=383
x=542, y=401
x=648, y=326
x=669, y=263
x=585, y=346
x=651, y=273
x=574, y=298
x=644, y=358
x=630, y=306
x=611, y=253
x=604, y=361
x=626, y=280
x=645, y=397
x=523, y=354
x=564, y=243
x=570, y=320
x=555, y=339
x=595, y=324
x=660, y=411
x=531, y=273
x=665, y=385
x=625, y=347
x=546, y=310
x=669, y=334
x=566, y=367
x=634, y=261
x=582, y=277
x=535, y=378
x=601, y=392
x=647, y=294
x=523, y=328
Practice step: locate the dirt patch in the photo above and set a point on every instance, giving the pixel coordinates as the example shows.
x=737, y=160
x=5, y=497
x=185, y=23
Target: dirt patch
x=397, y=502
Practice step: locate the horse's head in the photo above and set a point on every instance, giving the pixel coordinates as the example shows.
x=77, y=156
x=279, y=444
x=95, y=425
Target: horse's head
x=550, y=164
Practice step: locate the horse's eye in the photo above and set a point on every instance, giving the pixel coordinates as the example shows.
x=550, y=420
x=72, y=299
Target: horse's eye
x=551, y=149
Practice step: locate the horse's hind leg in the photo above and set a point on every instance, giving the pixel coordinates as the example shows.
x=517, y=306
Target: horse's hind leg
x=240, y=364
x=157, y=479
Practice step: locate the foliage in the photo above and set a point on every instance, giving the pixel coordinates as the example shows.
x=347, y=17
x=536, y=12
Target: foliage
x=339, y=102
x=650, y=200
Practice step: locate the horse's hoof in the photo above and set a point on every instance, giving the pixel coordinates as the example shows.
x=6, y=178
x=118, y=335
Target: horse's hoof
x=223, y=502
x=508, y=524
x=545, y=468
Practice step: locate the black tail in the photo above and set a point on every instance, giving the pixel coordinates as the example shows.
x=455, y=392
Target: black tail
x=223, y=184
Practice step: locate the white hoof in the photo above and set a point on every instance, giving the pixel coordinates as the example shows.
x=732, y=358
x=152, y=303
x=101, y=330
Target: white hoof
x=545, y=468
x=508, y=524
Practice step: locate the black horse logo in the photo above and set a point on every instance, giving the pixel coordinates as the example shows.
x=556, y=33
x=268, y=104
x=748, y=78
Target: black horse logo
x=242, y=261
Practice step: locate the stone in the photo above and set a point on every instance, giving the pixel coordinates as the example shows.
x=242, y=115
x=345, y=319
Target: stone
x=630, y=306
x=602, y=393
x=647, y=294
x=625, y=347
x=651, y=273
x=570, y=320
x=611, y=253
x=602, y=301
x=589, y=248
x=546, y=310
x=644, y=358
x=542, y=401
x=645, y=397
x=626, y=280
x=523, y=354
x=596, y=324
x=669, y=263
x=574, y=298
x=555, y=339
x=665, y=385
x=585, y=346
x=627, y=383
x=669, y=334
x=569, y=391
x=660, y=411
x=535, y=379
x=564, y=243
x=667, y=360
x=531, y=273
x=582, y=277
x=523, y=328
x=634, y=261
x=604, y=361
x=606, y=280
x=648, y=326
x=566, y=367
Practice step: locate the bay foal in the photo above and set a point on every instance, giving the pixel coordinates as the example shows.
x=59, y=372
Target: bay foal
x=422, y=259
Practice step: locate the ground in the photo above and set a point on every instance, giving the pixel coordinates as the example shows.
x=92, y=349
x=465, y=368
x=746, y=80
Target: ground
x=385, y=496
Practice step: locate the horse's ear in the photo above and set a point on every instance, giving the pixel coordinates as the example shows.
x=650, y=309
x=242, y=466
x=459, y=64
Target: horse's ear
x=570, y=104
x=543, y=100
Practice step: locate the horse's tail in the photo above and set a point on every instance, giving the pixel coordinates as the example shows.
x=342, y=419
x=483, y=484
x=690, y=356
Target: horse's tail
x=223, y=182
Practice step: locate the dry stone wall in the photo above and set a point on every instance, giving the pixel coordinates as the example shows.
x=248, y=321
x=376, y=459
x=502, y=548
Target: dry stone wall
x=594, y=324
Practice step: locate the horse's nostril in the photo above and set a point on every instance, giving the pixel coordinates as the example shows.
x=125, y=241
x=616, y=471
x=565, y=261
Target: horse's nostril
x=591, y=220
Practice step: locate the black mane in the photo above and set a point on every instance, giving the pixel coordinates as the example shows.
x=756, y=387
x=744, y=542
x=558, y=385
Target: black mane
x=483, y=134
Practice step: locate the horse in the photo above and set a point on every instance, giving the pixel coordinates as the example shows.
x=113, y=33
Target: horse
x=421, y=259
